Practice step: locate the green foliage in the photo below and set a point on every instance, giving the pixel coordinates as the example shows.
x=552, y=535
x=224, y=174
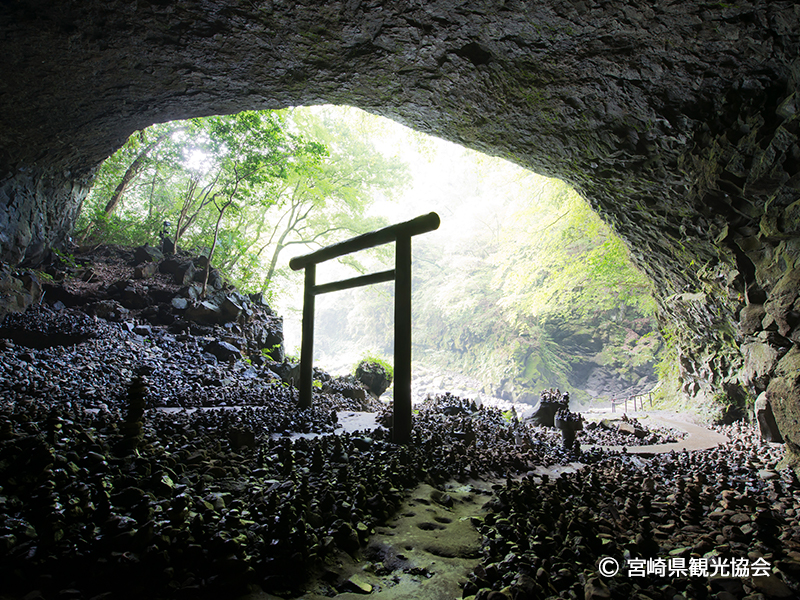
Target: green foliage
x=509, y=416
x=270, y=352
x=503, y=287
x=502, y=296
x=126, y=229
x=572, y=266
x=65, y=258
x=371, y=356
x=243, y=188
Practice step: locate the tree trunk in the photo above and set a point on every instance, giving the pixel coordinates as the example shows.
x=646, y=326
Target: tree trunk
x=216, y=236
x=132, y=172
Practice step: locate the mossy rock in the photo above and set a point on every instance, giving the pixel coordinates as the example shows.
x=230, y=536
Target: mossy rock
x=374, y=376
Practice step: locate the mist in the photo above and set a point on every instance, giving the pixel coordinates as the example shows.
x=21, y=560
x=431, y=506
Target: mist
x=489, y=322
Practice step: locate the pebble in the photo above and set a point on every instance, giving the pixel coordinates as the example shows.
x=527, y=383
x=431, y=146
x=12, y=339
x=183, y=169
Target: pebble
x=211, y=496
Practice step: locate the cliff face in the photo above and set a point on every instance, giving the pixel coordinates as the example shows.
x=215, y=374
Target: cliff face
x=678, y=121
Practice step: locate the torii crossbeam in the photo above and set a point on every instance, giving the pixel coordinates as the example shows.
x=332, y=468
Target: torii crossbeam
x=401, y=234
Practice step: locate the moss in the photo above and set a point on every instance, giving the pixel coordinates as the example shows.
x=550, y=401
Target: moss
x=372, y=357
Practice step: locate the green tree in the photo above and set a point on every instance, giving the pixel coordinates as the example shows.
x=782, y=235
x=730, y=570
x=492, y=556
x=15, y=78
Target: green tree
x=250, y=151
x=128, y=199
x=244, y=187
x=328, y=199
x=560, y=259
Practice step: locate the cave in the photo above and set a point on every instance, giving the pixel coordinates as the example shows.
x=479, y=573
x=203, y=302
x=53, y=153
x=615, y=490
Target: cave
x=678, y=121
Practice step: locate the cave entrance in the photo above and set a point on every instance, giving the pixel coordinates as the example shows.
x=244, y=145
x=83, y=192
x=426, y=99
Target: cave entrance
x=524, y=289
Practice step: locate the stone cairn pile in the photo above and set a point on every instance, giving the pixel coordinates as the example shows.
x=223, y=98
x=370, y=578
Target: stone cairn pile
x=545, y=537
x=553, y=411
x=112, y=485
x=207, y=503
x=569, y=423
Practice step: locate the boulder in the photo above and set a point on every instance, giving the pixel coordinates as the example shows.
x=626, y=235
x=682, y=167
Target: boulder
x=760, y=359
x=143, y=330
x=132, y=298
x=169, y=266
x=259, y=300
x=631, y=429
x=179, y=303
x=192, y=292
x=223, y=351
x=161, y=295
x=110, y=310
x=766, y=419
x=201, y=262
x=230, y=309
x=544, y=412
x=288, y=372
x=266, y=334
x=215, y=279
x=145, y=270
x=147, y=253
x=374, y=376
x=750, y=318
x=205, y=313
x=184, y=274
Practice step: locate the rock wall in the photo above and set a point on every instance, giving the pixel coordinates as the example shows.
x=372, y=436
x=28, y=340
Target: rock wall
x=677, y=120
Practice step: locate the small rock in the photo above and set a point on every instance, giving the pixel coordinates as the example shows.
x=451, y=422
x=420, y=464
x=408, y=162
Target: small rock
x=740, y=519
x=594, y=589
x=773, y=587
x=358, y=584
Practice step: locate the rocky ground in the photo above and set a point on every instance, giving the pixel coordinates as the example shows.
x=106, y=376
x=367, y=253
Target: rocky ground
x=147, y=454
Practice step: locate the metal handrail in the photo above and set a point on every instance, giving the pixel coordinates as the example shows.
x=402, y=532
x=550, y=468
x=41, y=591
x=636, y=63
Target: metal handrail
x=649, y=394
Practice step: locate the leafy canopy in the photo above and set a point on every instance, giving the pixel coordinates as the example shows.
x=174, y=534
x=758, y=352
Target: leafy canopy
x=244, y=187
x=560, y=259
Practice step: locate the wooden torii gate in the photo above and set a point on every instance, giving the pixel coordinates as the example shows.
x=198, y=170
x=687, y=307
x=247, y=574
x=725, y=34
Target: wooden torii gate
x=401, y=234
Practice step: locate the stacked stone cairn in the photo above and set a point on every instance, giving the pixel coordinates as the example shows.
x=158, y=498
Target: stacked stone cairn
x=553, y=411
x=569, y=423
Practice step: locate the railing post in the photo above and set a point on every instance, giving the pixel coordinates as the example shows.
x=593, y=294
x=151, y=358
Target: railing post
x=307, y=347
x=402, y=340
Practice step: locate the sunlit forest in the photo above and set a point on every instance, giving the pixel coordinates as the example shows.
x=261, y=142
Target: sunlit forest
x=523, y=287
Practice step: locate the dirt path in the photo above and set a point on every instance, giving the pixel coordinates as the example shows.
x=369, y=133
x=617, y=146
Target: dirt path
x=425, y=552
x=699, y=438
